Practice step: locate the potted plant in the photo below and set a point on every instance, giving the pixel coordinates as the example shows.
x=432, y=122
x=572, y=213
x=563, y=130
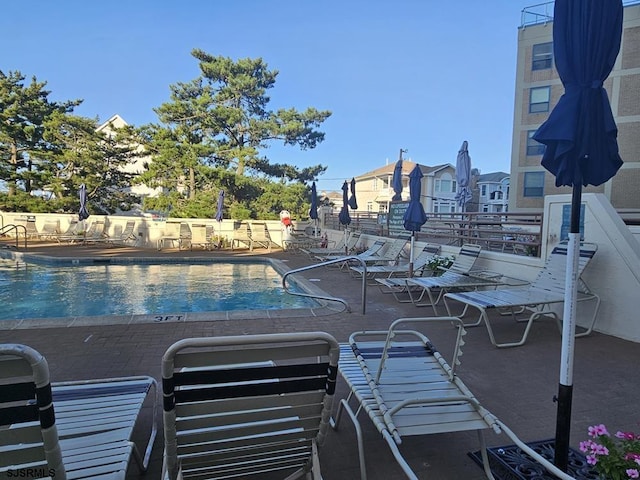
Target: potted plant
x=614, y=458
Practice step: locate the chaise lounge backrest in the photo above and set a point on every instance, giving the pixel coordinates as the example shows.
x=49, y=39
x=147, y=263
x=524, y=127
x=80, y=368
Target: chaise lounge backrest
x=28, y=433
x=247, y=405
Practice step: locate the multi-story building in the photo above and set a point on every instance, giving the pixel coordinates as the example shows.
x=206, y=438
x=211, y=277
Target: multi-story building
x=136, y=167
x=538, y=89
x=493, y=192
x=374, y=190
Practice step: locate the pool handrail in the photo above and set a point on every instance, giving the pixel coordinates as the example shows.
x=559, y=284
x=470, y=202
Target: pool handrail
x=9, y=227
x=324, y=264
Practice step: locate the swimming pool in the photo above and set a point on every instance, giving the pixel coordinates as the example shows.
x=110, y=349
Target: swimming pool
x=161, y=290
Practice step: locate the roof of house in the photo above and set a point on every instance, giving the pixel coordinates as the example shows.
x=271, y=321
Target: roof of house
x=495, y=177
x=407, y=167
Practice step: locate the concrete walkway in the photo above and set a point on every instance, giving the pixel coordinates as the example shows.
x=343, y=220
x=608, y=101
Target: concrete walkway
x=517, y=385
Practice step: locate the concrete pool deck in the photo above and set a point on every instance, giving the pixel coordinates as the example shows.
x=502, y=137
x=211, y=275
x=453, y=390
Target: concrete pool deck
x=517, y=384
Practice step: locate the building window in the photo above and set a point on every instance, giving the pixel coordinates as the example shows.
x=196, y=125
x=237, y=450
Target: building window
x=369, y=206
x=483, y=190
x=542, y=57
x=382, y=208
x=375, y=184
x=533, y=184
x=539, y=99
x=533, y=147
x=444, y=185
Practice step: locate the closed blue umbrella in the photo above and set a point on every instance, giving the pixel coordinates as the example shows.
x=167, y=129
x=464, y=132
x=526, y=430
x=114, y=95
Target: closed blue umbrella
x=396, y=180
x=414, y=216
x=581, y=147
x=313, y=211
x=83, y=213
x=220, y=209
x=353, y=203
x=463, y=176
x=343, y=216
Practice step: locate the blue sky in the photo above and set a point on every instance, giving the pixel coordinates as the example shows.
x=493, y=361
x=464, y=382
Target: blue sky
x=421, y=75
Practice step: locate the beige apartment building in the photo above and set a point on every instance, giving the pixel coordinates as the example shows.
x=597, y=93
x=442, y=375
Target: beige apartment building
x=538, y=89
x=374, y=190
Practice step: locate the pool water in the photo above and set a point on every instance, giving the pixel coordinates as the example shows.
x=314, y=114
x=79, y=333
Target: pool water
x=38, y=291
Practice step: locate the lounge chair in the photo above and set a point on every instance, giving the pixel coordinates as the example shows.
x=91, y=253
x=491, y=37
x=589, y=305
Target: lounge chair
x=50, y=230
x=401, y=270
x=176, y=233
x=70, y=234
x=352, y=242
x=247, y=406
x=95, y=233
x=260, y=236
x=389, y=255
x=403, y=289
x=68, y=430
x=128, y=235
x=406, y=387
x=535, y=300
x=371, y=251
x=201, y=237
x=242, y=234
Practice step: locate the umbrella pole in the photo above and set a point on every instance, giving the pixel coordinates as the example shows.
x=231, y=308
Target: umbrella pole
x=346, y=234
x=413, y=238
x=565, y=387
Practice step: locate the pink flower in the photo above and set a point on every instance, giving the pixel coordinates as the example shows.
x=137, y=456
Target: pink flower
x=598, y=449
x=598, y=430
x=632, y=456
x=625, y=435
x=591, y=459
x=633, y=473
x=585, y=446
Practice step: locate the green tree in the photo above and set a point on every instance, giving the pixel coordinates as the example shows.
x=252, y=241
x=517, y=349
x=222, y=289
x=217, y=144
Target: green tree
x=217, y=125
x=24, y=110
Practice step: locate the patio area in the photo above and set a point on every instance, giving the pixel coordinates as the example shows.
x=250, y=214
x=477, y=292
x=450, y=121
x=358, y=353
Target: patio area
x=515, y=384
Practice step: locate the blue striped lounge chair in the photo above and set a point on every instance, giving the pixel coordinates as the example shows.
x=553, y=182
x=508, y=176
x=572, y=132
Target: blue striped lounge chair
x=70, y=430
x=535, y=300
x=247, y=406
x=404, y=385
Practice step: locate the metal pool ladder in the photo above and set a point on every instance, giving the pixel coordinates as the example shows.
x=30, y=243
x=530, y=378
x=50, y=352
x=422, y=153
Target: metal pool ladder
x=324, y=264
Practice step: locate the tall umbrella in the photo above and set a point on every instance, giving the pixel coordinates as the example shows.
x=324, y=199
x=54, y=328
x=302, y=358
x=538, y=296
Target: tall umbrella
x=414, y=216
x=396, y=180
x=83, y=213
x=313, y=211
x=344, y=217
x=353, y=203
x=463, y=176
x=581, y=148
x=219, y=215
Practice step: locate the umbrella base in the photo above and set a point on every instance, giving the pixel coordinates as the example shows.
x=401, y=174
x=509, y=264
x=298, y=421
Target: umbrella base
x=511, y=463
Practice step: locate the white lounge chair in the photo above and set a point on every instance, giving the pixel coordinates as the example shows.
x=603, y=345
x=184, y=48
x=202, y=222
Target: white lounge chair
x=403, y=289
x=50, y=230
x=70, y=430
x=95, y=233
x=535, y=300
x=371, y=251
x=175, y=233
x=352, y=242
x=247, y=406
x=405, y=386
x=389, y=254
x=260, y=236
x=242, y=234
x=419, y=263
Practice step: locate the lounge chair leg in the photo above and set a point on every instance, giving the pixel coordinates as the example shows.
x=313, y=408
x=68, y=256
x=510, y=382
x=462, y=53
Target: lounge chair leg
x=485, y=457
x=344, y=405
